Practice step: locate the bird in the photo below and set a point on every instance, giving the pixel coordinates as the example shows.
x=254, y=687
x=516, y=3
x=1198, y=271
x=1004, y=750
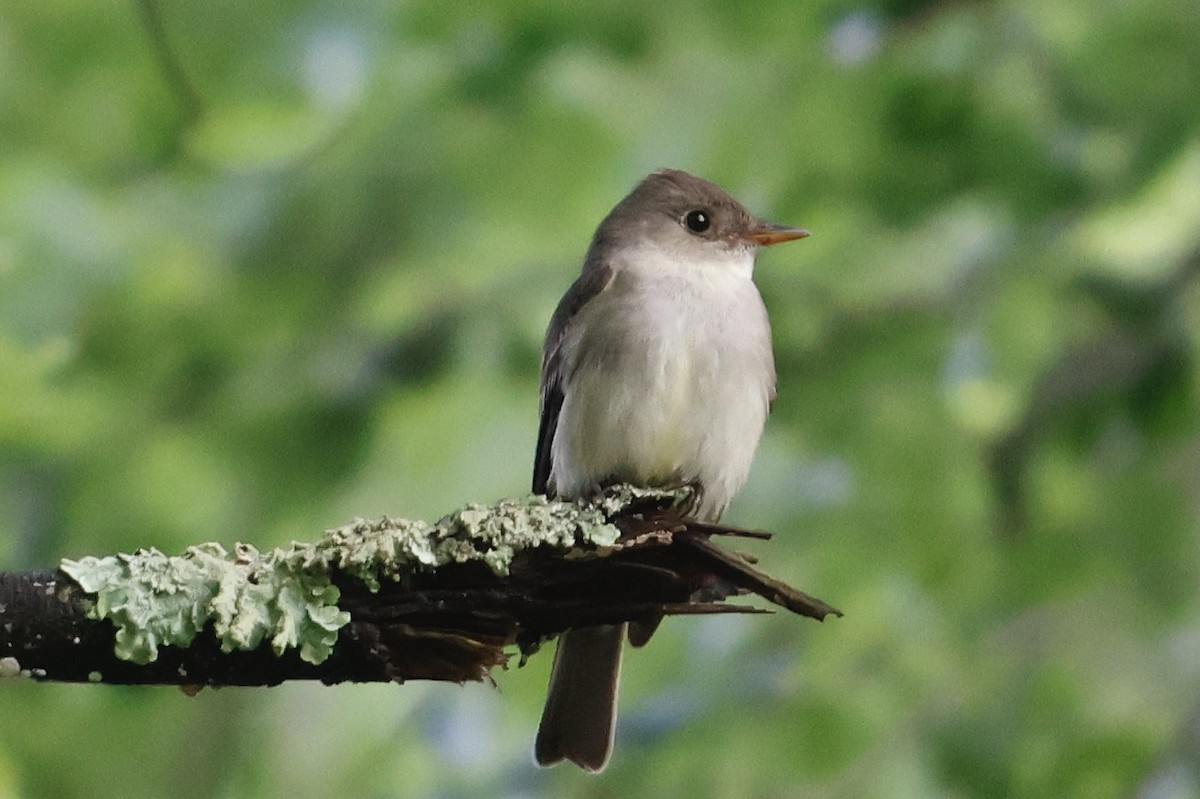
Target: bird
x=657, y=370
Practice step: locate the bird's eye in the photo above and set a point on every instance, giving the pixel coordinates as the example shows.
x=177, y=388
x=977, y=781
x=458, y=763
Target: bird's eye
x=697, y=221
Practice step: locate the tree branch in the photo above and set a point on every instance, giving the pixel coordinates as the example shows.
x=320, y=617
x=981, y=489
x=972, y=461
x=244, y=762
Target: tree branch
x=379, y=601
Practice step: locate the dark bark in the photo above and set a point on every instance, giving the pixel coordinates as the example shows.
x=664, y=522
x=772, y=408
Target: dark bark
x=456, y=623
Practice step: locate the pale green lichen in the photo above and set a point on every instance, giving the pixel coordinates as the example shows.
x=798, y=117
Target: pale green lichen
x=10, y=668
x=286, y=595
x=156, y=600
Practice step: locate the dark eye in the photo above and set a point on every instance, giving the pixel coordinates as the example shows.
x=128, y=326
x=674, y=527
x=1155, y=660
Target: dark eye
x=697, y=221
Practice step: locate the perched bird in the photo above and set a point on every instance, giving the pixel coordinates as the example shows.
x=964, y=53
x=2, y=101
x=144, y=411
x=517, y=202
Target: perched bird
x=657, y=370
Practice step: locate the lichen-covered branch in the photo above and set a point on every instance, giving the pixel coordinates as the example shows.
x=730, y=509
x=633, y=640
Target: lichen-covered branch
x=389, y=600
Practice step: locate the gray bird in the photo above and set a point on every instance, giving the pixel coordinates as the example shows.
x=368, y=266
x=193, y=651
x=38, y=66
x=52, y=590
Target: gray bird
x=657, y=370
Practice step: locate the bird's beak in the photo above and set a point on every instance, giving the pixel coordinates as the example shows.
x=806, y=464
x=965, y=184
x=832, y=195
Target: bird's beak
x=765, y=234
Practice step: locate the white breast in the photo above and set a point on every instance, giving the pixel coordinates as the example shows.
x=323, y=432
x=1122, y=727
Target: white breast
x=669, y=376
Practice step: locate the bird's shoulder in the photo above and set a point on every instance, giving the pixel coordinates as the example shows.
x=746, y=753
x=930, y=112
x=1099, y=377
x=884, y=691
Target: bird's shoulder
x=592, y=281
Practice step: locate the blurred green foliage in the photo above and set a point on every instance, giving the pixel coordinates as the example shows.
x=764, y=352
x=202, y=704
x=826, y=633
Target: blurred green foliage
x=265, y=267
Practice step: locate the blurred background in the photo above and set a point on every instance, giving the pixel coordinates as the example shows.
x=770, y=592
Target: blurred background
x=265, y=267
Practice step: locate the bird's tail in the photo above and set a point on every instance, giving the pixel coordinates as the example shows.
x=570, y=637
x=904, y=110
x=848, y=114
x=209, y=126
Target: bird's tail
x=581, y=704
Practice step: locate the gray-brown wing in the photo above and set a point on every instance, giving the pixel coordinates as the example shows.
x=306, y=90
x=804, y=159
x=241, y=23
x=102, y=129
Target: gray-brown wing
x=594, y=279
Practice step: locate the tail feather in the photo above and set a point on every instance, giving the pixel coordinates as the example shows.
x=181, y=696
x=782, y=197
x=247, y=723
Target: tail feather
x=581, y=704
